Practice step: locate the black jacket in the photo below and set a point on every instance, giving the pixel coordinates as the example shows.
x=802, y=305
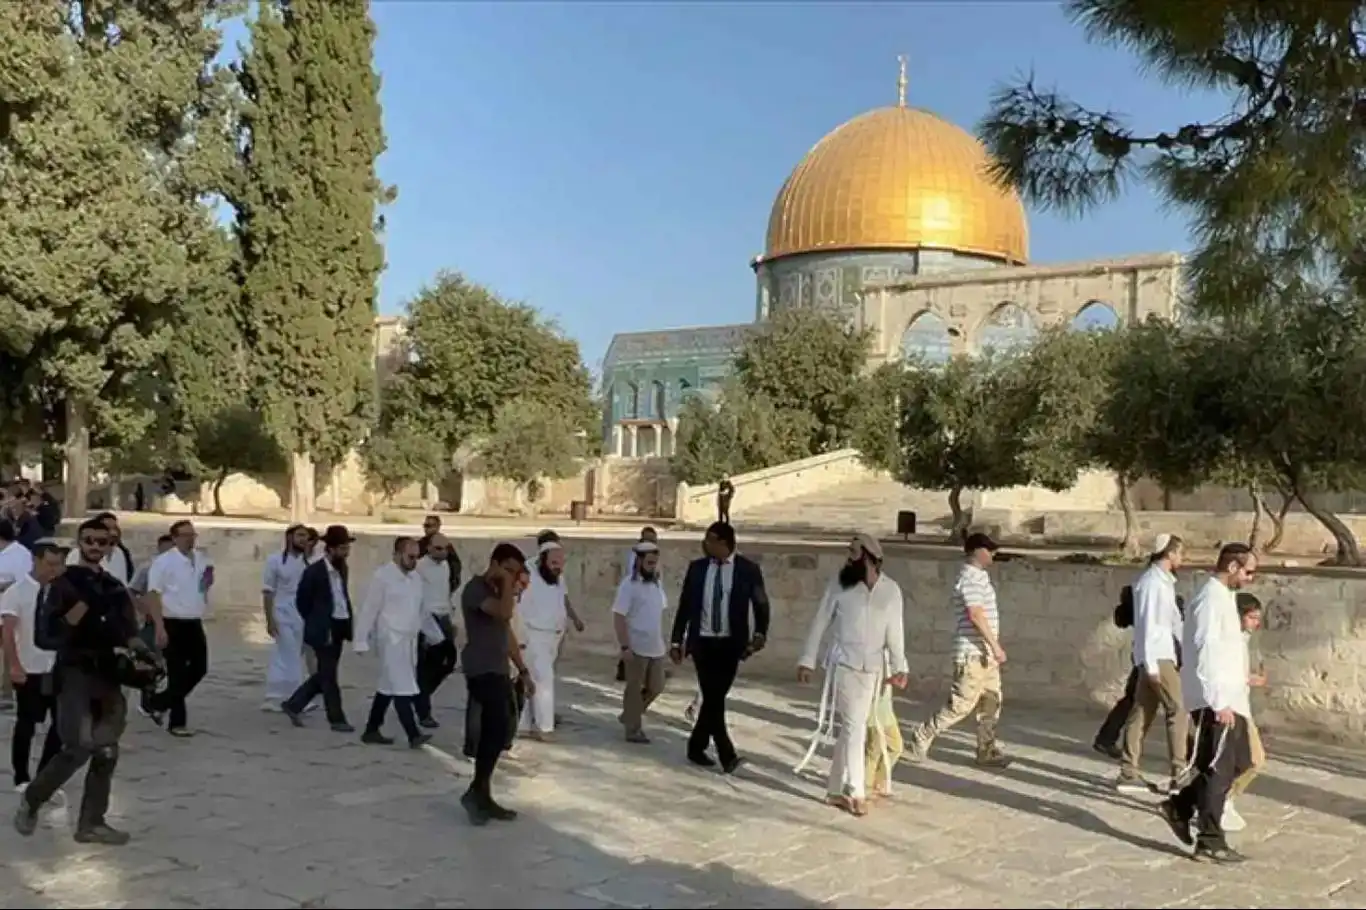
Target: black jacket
x=747, y=593
x=314, y=603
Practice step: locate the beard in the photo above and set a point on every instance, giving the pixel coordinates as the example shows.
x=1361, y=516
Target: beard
x=648, y=575
x=337, y=560
x=853, y=573
x=548, y=575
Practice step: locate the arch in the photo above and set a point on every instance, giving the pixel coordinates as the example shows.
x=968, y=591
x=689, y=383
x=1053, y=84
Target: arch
x=927, y=338
x=1007, y=328
x=658, y=400
x=1096, y=316
x=632, y=401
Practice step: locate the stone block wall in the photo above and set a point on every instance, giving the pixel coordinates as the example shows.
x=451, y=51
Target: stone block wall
x=1056, y=618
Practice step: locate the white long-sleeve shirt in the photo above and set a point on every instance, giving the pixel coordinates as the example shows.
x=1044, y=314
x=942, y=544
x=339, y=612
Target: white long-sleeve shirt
x=1214, y=673
x=1157, y=619
x=865, y=625
x=393, y=605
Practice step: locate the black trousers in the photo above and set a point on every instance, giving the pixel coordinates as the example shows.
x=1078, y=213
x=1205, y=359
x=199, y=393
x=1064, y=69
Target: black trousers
x=187, y=661
x=717, y=661
x=91, y=716
x=1221, y=754
x=35, y=702
x=403, y=707
x=324, y=681
x=435, y=663
x=491, y=700
x=723, y=510
x=1110, y=731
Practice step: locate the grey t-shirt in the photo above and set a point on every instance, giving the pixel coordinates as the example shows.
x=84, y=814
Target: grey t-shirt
x=486, y=638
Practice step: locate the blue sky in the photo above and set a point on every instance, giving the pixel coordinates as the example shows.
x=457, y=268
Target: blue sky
x=613, y=164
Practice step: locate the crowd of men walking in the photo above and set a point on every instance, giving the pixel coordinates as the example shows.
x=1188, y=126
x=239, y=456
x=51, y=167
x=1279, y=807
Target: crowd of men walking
x=82, y=624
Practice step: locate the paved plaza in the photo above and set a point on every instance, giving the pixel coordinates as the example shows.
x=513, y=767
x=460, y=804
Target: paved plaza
x=255, y=814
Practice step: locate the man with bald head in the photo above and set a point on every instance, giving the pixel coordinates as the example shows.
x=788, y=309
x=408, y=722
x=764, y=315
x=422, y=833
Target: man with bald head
x=439, y=569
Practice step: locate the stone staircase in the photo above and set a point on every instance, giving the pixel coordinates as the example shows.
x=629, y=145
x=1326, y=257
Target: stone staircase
x=868, y=504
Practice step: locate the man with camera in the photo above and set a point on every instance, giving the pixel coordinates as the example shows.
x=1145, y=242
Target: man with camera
x=87, y=617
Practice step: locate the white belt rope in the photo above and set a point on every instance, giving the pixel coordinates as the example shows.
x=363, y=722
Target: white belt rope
x=824, y=719
x=882, y=735
x=1189, y=772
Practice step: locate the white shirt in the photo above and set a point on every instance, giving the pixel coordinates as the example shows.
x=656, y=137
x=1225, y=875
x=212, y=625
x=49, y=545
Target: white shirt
x=116, y=564
x=436, y=585
x=393, y=605
x=643, y=604
x=724, y=575
x=866, y=627
x=339, y=602
x=541, y=605
x=1214, y=674
x=16, y=562
x=179, y=579
x=20, y=600
x=1157, y=619
x=280, y=578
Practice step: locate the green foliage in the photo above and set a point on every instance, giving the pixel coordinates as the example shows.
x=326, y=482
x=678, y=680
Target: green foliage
x=877, y=416
x=400, y=454
x=733, y=434
x=306, y=199
x=235, y=440
x=472, y=353
x=531, y=439
x=807, y=365
x=108, y=137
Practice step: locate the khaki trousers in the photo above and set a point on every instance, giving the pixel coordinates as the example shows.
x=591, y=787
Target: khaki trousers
x=644, y=683
x=1149, y=695
x=976, y=689
x=1254, y=741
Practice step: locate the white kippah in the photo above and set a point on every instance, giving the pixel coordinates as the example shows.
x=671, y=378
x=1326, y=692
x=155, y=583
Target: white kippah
x=644, y=547
x=1160, y=543
x=548, y=546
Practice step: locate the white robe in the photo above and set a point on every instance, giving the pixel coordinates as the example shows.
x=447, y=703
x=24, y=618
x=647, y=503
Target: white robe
x=392, y=615
x=542, y=614
x=285, y=671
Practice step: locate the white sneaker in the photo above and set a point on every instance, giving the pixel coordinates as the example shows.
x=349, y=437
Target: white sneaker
x=1232, y=821
x=271, y=707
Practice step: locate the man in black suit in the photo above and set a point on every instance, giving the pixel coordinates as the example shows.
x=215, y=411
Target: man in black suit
x=325, y=605
x=713, y=626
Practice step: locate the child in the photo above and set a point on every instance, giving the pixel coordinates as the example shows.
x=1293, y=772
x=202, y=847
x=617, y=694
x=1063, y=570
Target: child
x=30, y=668
x=1250, y=612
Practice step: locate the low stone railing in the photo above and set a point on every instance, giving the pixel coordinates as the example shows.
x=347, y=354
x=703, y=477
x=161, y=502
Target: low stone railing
x=697, y=504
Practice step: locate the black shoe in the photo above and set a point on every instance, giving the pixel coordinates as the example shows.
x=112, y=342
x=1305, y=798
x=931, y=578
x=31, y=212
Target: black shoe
x=621, y=671
x=342, y=726
x=473, y=809
x=732, y=765
x=147, y=711
x=417, y=742
x=499, y=813
x=702, y=759
x=295, y=717
x=428, y=722
x=376, y=738
x=25, y=818
x=1180, y=826
x=1220, y=854
x=102, y=834
x=1109, y=750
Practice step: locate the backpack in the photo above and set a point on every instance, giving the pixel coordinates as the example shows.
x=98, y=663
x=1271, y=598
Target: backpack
x=1124, y=612
x=98, y=591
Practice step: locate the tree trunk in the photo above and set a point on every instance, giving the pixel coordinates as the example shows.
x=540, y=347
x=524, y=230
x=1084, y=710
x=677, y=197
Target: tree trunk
x=218, y=482
x=959, y=529
x=1259, y=510
x=301, y=483
x=1278, y=521
x=1129, y=545
x=76, y=455
x=335, y=488
x=1348, y=552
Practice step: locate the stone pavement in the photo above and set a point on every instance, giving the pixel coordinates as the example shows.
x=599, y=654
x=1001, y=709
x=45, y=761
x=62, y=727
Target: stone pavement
x=255, y=814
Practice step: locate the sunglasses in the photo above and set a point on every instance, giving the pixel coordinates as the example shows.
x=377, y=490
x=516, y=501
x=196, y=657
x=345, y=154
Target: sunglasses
x=95, y=541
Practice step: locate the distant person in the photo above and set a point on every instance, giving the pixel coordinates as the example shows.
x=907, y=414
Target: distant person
x=177, y=599
x=431, y=526
x=1250, y=612
x=647, y=535
x=323, y=600
x=725, y=492
x=437, y=654
x=30, y=667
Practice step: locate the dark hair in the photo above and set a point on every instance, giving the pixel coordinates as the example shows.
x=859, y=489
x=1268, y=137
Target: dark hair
x=91, y=524
x=1248, y=603
x=648, y=529
x=177, y=525
x=289, y=535
x=313, y=533
x=505, y=551
x=547, y=536
x=435, y=518
x=401, y=542
x=165, y=538
x=1232, y=554
x=106, y=516
x=723, y=532
x=1172, y=546
x=7, y=531
x=44, y=547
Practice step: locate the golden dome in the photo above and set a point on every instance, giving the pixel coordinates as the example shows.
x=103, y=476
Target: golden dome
x=897, y=178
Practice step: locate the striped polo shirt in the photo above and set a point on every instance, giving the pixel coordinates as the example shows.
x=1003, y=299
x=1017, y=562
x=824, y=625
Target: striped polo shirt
x=973, y=589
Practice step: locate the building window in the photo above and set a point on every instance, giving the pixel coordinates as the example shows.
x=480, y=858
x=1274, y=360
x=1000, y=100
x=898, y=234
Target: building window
x=658, y=400
x=632, y=401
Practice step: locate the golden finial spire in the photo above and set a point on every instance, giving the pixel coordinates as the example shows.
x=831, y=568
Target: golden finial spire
x=901, y=82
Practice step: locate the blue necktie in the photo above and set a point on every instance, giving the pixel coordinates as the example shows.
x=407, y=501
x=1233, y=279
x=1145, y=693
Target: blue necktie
x=717, y=595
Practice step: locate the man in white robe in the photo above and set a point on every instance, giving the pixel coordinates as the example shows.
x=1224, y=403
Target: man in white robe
x=392, y=617
x=279, y=585
x=542, y=616
x=862, y=612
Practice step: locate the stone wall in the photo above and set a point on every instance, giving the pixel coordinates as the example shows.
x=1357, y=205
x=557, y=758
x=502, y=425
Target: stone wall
x=1056, y=623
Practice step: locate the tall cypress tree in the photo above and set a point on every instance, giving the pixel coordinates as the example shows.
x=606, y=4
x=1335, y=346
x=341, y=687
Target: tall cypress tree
x=307, y=224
